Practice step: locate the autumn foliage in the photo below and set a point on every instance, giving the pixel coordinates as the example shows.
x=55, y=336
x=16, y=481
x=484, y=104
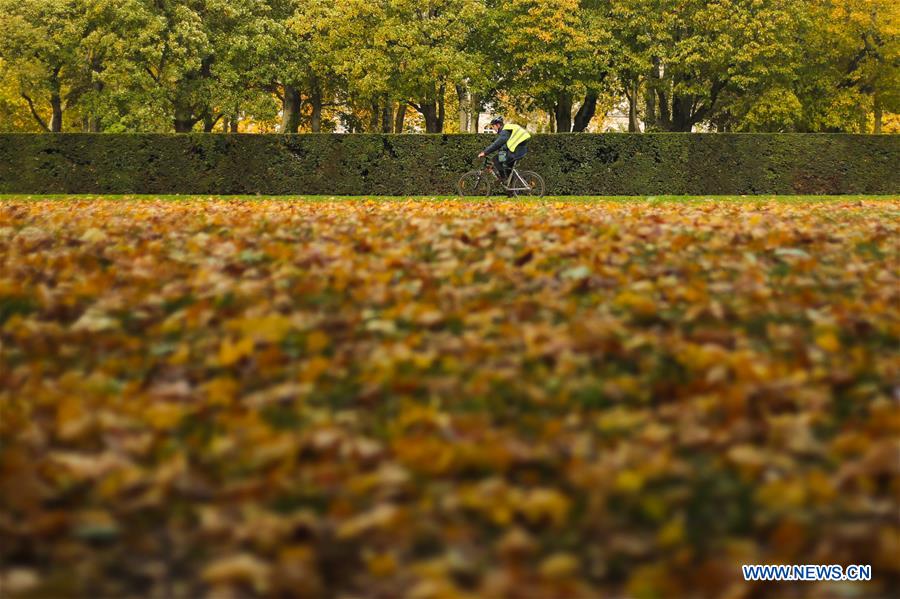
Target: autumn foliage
x=445, y=399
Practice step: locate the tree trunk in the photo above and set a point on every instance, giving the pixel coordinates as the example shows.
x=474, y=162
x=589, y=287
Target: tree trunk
x=184, y=119
x=586, y=112
x=441, y=106
x=34, y=112
x=475, y=114
x=94, y=121
x=658, y=114
x=632, y=108
x=552, y=114
x=233, y=128
x=722, y=123
x=682, y=119
x=649, y=109
x=387, y=116
x=290, y=115
x=433, y=111
x=563, y=113
x=429, y=112
x=863, y=121
x=879, y=114
x=463, y=95
x=55, y=104
x=401, y=116
x=315, y=99
x=375, y=117
x=664, y=118
x=210, y=122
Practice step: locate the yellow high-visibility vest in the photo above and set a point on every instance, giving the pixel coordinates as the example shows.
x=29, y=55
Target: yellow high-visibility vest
x=517, y=136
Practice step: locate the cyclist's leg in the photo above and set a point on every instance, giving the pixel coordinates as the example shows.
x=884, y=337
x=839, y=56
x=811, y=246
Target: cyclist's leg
x=498, y=166
x=515, y=157
x=510, y=165
x=520, y=152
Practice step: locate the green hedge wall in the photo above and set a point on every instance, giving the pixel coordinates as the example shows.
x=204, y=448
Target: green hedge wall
x=572, y=164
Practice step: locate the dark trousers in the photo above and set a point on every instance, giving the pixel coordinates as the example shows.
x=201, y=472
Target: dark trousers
x=504, y=160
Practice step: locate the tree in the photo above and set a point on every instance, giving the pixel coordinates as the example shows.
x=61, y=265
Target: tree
x=555, y=51
x=191, y=57
x=699, y=52
x=391, y=65
x=852, y=64
x=54, y=53
x=401, y=51
x=638, y=38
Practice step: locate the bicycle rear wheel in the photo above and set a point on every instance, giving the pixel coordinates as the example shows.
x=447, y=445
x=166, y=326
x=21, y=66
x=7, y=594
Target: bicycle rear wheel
x=534, y=182
x=474, y=183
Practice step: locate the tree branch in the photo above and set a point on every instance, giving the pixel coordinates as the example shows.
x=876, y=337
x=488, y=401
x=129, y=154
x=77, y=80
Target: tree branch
x=34, y=113
x=701, y=111
x=75, y=94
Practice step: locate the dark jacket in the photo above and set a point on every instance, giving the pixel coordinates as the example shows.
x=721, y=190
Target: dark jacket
x=500, y=142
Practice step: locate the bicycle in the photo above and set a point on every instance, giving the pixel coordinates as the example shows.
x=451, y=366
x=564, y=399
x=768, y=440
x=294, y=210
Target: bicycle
x=479, y=182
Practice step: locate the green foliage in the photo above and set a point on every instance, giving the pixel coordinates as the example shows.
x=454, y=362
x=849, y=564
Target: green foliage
x=183, y=65
x=584, y=164
x=851, y=64
x=552, y=48
x=403, y=50
x=57, y=55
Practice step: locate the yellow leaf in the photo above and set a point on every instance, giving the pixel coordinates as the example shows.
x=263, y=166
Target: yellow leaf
x=316, y=341
x=221, y=390
x=240, y=568
x=636, y=302
x=272, y=328
x=164, y=415
x=230, y=352
x=314, y=368
x=629, y=481
x=828, y=341
x=559, y=566
x=381, y=516
x=672, y=533
x=382, y=564
x=540, y=504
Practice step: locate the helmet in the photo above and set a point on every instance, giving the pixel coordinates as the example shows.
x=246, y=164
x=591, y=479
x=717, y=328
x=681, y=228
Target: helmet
x=497, y=120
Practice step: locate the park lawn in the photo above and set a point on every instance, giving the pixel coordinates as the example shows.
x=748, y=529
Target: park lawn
x=556, y=398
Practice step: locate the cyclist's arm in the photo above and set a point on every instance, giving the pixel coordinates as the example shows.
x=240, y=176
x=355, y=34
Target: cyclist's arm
x=499, y=142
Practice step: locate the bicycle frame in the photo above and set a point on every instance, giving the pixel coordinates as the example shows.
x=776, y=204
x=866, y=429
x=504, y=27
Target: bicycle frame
x=521, y=184
x=514, y=183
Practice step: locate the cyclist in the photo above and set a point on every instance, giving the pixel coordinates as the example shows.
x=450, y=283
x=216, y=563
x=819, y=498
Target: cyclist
x=512, y=141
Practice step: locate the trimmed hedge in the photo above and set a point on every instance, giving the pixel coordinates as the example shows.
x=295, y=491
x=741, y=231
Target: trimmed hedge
x=576, y=164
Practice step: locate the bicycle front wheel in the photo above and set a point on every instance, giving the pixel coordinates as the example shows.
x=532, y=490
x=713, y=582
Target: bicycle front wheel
x=474, y=183
x=534, y=182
